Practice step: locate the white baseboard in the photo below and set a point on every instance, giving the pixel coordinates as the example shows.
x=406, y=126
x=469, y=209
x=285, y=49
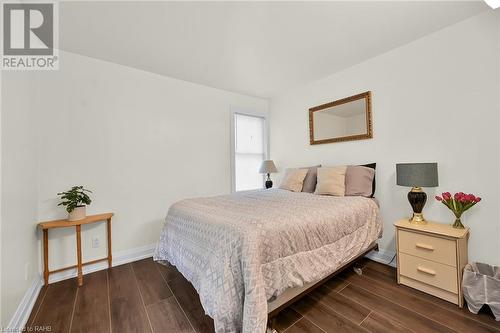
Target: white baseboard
x=383, y=257
x=20, y=317
x=23, y=311
x=119, y=258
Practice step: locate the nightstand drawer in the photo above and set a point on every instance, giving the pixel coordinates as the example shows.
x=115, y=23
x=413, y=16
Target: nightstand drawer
x=432, y=273
x=432, y=248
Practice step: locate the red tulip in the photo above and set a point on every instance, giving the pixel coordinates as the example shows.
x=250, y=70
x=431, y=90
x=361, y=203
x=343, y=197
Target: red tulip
x=446, y=195
x=438, y=198
x=460, y=196
x=477, y=199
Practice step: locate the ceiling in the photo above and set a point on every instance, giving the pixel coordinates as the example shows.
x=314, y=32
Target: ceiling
x=255, y=48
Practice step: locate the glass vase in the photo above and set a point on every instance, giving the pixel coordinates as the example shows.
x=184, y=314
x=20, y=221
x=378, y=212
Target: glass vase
x=458, y=223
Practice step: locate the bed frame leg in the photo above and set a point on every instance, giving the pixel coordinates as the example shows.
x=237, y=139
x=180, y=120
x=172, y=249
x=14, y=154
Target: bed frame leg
x=270, y=325
x=358, y=264
x=358, y=269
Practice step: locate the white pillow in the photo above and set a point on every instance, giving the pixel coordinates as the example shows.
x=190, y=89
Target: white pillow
x=293, y=179
x=331, y=181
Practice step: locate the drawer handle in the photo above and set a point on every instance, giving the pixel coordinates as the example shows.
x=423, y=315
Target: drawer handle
x=424, y=246
x=426, y=270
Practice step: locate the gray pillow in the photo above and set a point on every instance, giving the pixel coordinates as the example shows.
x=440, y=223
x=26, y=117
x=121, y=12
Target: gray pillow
x=311, y=179
x=359, y=181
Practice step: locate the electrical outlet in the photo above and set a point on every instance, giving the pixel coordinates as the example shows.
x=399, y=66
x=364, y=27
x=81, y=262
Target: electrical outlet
x=95, y=242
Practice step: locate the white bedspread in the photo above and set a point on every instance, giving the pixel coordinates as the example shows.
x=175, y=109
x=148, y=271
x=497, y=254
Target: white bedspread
x=240, y=250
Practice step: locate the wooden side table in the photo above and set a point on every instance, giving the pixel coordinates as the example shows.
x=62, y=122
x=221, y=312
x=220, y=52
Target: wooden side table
x=431, y=258
x=45, y=226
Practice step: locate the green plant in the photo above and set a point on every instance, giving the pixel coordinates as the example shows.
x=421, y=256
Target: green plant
x=74, y=198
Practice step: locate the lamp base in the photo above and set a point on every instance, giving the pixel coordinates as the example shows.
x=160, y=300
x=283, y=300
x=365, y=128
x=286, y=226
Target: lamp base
x=417, y=199
x=269, y=182
x=418, y=218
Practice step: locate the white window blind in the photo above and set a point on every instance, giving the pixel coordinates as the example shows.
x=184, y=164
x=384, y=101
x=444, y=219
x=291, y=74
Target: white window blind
x=249, y=151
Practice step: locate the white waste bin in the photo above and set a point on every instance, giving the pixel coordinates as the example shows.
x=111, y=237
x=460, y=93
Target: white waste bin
x=481, y=285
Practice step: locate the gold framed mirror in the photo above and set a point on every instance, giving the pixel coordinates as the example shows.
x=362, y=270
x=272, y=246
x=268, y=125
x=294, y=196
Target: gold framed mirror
x=346, y=119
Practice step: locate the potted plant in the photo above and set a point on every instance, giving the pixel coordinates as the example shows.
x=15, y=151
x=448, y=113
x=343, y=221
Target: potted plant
x=458, y=204
x=75, y=200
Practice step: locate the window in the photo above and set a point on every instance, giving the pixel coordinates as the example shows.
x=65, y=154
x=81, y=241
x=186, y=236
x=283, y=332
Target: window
x=249, y=150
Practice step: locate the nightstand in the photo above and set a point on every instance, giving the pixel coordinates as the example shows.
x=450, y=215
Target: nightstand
x=431, y=258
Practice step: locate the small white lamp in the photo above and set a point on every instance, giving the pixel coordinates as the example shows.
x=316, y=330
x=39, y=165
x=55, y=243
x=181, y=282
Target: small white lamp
x=268, y=167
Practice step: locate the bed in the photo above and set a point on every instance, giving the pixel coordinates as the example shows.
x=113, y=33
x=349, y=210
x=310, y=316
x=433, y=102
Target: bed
x=249, y=253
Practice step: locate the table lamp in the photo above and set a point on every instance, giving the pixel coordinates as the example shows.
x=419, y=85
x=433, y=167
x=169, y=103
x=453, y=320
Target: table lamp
x=268, y=167
x=416, y=176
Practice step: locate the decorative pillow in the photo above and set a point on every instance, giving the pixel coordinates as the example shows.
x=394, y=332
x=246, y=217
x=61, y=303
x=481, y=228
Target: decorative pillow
x=331, y=181
x=311, y=179
x=359, y=180
x=293, y=179
x=374, y=167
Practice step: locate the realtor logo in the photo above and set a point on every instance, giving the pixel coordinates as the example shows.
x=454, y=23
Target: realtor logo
x=29, y=36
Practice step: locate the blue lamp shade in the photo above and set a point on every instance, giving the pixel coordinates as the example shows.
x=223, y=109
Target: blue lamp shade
x=417, y=174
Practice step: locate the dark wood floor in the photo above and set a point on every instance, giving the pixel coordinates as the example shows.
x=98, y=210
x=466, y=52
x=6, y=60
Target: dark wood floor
x=144, y=296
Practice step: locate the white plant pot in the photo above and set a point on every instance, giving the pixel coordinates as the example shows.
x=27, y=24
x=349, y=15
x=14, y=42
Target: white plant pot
x=79, y=213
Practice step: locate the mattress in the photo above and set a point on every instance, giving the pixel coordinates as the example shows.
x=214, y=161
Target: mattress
x=242, y=250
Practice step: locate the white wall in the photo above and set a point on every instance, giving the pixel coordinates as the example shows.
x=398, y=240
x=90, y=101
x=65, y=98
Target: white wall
x=498, y=94
x=19, y=195
x=1, y=319
x=435, y=99
x=138, y=140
